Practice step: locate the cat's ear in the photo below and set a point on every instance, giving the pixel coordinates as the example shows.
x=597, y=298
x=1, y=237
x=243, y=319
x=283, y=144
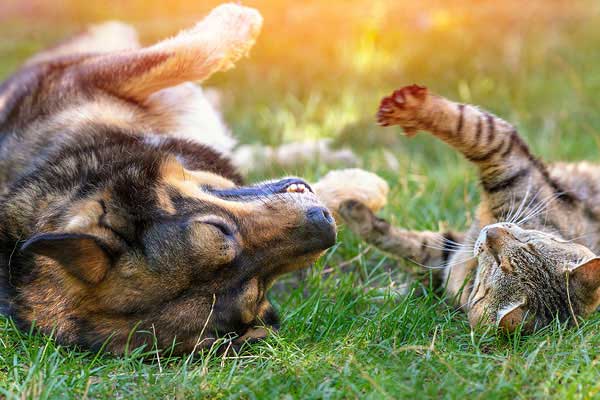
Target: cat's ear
x=587, y=273
x=84, y=256
x=509, y=318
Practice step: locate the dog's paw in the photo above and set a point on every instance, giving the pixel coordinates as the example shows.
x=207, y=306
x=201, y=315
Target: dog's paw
x=240, y=24
x=402, y=108
x=218, y=41
x=352, y=184
x=235, y=28
x=240, y=344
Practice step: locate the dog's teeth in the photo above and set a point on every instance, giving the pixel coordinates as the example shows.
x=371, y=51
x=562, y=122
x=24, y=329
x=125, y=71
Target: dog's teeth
x=297, y=188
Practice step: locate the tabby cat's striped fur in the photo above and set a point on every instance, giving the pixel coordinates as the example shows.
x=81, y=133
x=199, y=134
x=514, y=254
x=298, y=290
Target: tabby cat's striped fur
x=536, y=230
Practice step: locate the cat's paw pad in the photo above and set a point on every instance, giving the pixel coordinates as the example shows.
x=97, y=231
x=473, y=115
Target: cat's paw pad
x=401, y=108
x=357, y=216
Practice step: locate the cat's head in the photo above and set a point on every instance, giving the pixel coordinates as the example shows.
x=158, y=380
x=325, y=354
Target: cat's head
x=528, y=277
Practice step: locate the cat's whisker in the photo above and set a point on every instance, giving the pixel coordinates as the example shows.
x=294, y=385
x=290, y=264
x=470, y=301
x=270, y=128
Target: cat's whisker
x=454, y=250
x=515, y=204
x=540, y=208
x=585, y=235
x=443, y=266
x=444, y=242
x=450, y=246
x=536, y=210
x=447, y=249
x=434, y=247
x=434, y=267
x=459, y=262
x=460, y=244
x=519, y=210
x=527, y=208
x=443, y=239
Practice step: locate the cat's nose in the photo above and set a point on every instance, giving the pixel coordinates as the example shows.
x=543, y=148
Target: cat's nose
x=496, y=238
x=495, y=235
x=492, y=238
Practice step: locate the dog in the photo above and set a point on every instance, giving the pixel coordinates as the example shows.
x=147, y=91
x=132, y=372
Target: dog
x=124, y=221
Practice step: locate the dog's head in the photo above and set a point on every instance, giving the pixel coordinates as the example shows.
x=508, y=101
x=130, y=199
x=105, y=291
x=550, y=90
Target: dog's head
x=129, y=232
x=174, y=252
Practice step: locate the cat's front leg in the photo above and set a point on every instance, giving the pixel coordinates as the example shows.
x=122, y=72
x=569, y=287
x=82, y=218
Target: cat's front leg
x=489, y=142
x=510, y=175
x=426, y=248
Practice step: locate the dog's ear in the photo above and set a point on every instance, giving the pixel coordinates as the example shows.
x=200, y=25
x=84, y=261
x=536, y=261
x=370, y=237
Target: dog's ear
x=83, y=256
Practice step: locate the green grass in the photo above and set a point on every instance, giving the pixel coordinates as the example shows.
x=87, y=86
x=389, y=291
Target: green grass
x=357, y=329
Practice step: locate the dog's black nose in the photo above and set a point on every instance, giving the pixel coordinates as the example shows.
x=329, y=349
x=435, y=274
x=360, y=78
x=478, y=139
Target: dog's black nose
x=319, y=216
x=322, y=225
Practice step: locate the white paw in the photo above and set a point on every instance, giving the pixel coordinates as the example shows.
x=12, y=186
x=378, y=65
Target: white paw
x=217, y=42
x=233, y=28
x=245, y=21
x=352, y=184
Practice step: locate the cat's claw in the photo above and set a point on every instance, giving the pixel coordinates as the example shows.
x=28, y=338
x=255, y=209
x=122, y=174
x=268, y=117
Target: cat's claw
x=357, y=217
x=401, y=108
x=361, y=220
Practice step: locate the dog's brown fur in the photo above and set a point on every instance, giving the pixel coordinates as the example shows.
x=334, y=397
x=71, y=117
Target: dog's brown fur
x=114, y=230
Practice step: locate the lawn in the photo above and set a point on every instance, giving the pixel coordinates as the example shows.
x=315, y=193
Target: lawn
x=352, y=325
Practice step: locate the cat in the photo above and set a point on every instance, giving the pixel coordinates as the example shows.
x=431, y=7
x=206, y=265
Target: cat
x=530, y=255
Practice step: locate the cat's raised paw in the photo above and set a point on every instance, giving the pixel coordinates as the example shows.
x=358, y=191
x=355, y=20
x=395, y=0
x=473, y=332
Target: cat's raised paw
x=401, y=108
x=402, y=97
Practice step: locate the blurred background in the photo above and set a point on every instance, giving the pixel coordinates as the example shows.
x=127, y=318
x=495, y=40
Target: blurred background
x=319, y=69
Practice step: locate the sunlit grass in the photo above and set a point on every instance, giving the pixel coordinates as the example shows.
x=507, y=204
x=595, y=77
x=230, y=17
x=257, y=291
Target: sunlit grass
x=357, y=330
